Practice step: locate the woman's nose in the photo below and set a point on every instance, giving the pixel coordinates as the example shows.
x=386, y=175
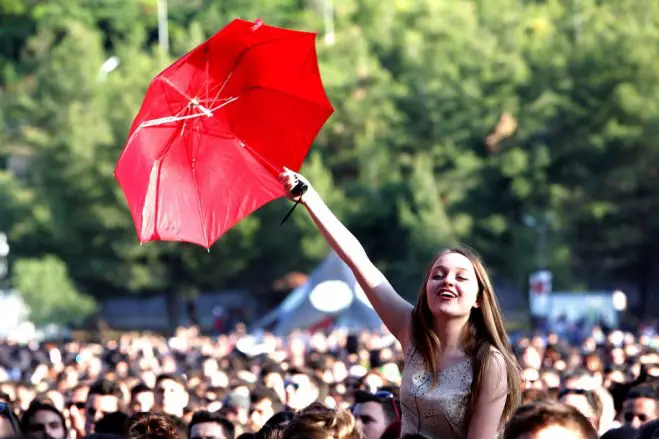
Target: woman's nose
x=449, y=280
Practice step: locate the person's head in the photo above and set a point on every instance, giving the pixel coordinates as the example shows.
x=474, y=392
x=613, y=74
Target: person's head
x=8, y=422
x=375, y=412
x=586, y=401
x=207, y=425
x=624, y=432
x=104, y=398
x=319, y=422
x=614, y=376
x=302, y=388
x=551, y=380
x=641, y=405
x=264, y=404
x=532, y=395
x=579, y=379
x=457, y=287
x=531, y=378
x=153, y=426
x=44, y=419
x=270, y=432
x=531, y=358
x=171, y=396
x=113, y=423
x=280, y=419
x=548, y=420
x=141, y=398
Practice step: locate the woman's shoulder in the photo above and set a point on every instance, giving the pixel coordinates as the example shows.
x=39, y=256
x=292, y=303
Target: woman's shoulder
x=496, y=371
x=496, y=353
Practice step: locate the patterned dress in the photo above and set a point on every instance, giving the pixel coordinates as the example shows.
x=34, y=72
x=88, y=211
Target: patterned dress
x=435, y=412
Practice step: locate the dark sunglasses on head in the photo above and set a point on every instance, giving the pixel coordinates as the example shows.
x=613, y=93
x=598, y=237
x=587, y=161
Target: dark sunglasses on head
x=387, y=397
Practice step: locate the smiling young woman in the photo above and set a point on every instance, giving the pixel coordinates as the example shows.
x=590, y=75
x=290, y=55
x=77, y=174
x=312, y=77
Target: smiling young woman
x=460, y=379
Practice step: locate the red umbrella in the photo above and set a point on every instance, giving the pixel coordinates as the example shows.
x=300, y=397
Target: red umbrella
x=217, y=127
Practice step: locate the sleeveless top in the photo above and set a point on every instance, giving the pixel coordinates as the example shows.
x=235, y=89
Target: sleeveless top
x=439, y=411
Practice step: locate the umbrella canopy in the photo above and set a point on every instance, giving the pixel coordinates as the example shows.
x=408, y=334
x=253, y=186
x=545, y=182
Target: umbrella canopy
x=217, y=127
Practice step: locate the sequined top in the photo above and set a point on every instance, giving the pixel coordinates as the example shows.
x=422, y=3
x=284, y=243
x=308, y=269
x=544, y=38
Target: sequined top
x=435, y=412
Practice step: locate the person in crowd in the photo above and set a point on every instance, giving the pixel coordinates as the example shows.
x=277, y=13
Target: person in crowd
x=112, y=424
x=460, y=379
x=104, y=398
x=45, y=419
x=171, y=395
x=153, y=426
x=549, y=420
x=375, y=412
x=641, y=405
x=9, y=425
x=207, y=425
x=141, y=399
x=586, y=401
x=320, y=422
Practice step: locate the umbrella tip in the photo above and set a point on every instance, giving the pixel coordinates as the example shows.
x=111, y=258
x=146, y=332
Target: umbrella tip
x=257, y=24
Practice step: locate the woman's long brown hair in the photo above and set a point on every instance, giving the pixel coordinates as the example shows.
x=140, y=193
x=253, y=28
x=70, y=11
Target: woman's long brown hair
x=483, y=331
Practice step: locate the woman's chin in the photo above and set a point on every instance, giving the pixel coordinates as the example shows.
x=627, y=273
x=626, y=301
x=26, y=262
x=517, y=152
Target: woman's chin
x=447, y=310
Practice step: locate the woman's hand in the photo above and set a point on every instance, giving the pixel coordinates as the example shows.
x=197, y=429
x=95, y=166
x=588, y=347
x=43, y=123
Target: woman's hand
x=290, y=181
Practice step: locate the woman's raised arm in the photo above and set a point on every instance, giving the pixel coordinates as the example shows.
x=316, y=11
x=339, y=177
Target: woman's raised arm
x=394, y=311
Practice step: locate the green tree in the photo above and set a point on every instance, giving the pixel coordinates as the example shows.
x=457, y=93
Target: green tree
x=48, y=292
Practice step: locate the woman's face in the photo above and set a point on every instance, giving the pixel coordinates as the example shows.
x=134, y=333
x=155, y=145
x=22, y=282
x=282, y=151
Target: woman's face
x=452, y=287
x=47, y=422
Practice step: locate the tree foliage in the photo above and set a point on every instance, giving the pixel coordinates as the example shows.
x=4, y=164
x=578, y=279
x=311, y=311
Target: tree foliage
x=456, y=121
x=48, y=292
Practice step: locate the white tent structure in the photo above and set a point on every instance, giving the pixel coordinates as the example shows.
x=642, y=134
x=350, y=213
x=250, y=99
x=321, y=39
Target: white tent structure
x=331, y=298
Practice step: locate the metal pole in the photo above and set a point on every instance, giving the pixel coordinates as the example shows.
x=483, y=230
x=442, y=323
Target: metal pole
x=542, y=244
x=328, y=15
x=577, y=20
x=4, y=259
x=163, y=31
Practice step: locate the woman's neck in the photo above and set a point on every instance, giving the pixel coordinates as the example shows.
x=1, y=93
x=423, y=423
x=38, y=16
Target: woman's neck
x=448, y=330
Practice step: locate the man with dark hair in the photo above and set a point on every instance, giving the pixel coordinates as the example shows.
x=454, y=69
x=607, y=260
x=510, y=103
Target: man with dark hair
x=641, y=405
x=303, y=388
x=171, y=395
x=264, y=404
x=375, y=412
x=141, y=399
x=586, y=401
x=104, y=398
x=549, y=420
x=113, y=423
x=44, y=419
x=207, y=425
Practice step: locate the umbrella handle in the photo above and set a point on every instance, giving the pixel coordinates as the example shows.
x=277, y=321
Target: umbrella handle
x=298, y=190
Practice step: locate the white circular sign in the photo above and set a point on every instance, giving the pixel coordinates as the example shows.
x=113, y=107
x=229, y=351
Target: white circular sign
x=4, y=245
x=331, y=296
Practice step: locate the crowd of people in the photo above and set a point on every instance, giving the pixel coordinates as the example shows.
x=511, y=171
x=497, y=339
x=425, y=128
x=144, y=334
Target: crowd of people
x=324, y=385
